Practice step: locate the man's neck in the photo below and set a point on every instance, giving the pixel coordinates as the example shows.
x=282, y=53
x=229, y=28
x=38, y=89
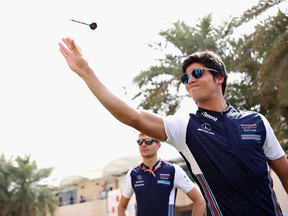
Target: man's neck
x=150, y=162
x=217, y=106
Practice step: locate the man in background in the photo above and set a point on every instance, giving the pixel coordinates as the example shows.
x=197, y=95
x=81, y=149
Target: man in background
x=155, y=183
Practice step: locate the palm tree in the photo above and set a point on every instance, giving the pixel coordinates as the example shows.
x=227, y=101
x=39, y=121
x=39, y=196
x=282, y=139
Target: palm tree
x=159, y=85
x=262, y=58
x=5, y=189
x=20, y=193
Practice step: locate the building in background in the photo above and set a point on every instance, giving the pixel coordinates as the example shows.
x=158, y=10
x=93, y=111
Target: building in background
x=98, y=192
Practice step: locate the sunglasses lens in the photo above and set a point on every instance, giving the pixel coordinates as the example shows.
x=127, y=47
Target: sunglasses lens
x=197, y=73
x=147, y=141
x=185, y=78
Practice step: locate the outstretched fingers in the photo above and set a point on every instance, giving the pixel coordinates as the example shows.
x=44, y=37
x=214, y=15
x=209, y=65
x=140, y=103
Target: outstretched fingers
x=69, y=48
x=63, y=50
x=71, y=45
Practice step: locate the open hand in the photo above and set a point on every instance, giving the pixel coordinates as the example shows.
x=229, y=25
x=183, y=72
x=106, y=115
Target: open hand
x=72, y=54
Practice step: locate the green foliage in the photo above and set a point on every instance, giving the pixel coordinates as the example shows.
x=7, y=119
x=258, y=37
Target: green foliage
x=20, y=193
x=257, y=10
x=159, y=85
x=261, y=58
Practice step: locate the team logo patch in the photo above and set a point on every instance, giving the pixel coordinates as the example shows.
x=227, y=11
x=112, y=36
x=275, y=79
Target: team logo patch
x=249, y=130
x=249, y=127
x=164, y=179
x=164, y=176
x=205, y=127
x=139, y=181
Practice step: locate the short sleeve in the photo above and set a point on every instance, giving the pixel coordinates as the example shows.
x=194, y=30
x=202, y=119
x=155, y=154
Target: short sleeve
x=181, y=180
x=127, y=190
x=175, y=128
x=271, y=147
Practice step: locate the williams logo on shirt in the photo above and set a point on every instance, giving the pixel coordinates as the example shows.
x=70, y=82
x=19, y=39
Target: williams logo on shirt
x=249, y=132
x=164, y=176
x=164, y=179
x=139, y=181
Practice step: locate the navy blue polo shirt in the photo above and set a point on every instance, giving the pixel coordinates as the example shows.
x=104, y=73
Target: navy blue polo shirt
x=227, y=154
x=155, y=190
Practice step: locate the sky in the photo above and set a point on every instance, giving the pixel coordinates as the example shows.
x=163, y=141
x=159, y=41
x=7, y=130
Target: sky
x=46, y=110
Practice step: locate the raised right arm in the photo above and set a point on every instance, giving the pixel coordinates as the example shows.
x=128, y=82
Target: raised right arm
x=144, y=121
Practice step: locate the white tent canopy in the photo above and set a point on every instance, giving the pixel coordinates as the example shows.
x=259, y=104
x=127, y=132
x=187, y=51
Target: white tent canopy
x=72, y=180
x=115, y=168
x=121, y=165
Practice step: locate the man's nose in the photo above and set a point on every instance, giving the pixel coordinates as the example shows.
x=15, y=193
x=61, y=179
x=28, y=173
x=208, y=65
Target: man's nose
x=191, y=79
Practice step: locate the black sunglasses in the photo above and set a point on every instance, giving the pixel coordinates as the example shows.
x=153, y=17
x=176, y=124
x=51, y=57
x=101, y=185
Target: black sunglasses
x=196, y=73
x=148, y=141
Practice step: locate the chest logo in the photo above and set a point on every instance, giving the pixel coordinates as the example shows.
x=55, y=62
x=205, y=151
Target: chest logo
x=164, y=176
x=205, y=127
x=139, y=181
x=249, y=127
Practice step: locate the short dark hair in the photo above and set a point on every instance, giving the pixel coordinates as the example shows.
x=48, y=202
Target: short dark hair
x=210, y=60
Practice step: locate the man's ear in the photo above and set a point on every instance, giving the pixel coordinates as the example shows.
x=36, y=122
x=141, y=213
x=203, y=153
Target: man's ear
x=220, y=79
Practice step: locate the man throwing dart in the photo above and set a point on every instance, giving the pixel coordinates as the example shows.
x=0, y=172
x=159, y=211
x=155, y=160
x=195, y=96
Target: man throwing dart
x=229, y=152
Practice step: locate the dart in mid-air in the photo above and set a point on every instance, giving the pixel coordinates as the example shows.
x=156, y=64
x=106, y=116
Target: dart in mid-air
x=92, y=26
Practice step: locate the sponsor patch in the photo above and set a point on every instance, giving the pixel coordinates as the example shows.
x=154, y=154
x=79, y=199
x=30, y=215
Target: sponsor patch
x=164, y=176
x=163, y=182
x=250, y=137
x=205, y=114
